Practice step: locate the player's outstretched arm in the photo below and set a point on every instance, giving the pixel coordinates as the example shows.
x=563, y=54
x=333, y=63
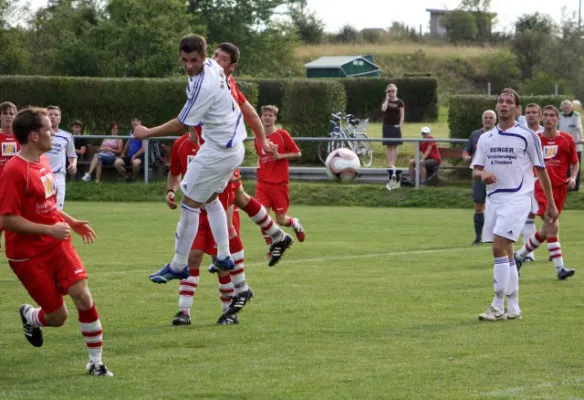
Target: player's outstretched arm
x=172, y=127
x=82, y=228
x=23, y=226
x=252, y=118
x=551, y=212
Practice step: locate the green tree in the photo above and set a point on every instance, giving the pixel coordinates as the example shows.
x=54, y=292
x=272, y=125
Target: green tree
x=347, y=34
x=309, y=27
x=460, y=26
x=480, y=10
x=501, y=70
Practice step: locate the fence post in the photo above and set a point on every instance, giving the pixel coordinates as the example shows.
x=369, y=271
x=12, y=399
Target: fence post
x=417, y=158
x=556, y=90
x=489, y=88
x=147, y=162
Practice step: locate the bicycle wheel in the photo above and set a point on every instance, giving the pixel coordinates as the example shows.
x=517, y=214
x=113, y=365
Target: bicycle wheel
x=323, y=151
x=364, y=150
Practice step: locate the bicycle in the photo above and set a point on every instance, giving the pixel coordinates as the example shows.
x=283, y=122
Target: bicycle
x=354, y=129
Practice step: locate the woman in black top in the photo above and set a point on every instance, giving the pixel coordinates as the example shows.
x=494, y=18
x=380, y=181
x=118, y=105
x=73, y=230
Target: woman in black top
x=393, y=120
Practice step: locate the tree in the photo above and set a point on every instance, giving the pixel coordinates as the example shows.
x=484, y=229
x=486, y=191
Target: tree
x=535, y=22
x=347, y=34
x=460, y=26
x=480, y=10
x=309, y=27
x=532, y=34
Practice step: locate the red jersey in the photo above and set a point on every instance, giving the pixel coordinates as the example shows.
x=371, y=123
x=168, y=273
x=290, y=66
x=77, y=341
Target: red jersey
x=235, y=92
x=271, y=170
x=9, y=146
x=183, y=152
x=558, y=152
x=434, y=153
x=29, y=189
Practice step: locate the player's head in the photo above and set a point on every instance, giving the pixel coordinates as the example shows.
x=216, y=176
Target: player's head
x=54, y=116
x=567, y=107
x=551, y=116
x=192, y=50
x=76, y=127
x=269, y=116
x=7, y=114
x=32, y=127
x=507, y=104
x=533, y=114
x=425, y=132
x=227, y=56
x=489, y=119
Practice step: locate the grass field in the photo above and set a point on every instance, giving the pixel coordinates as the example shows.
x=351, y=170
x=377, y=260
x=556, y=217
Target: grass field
x=376, y=304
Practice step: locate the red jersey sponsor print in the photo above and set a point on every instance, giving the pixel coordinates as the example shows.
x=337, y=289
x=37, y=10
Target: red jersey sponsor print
x=183, y=152
x=558, y=153
x=271, y=170
x=434, y=153
x=29, y=189
x=9, y=147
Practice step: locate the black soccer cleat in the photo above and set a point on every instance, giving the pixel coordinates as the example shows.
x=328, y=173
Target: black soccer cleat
x=95, y=369
x=238, y=302
x=228, y=320
x=518, y=264
x=32, y=333
x=277, y=249
x=477, y=242
x=181, y=318
x=565, y=273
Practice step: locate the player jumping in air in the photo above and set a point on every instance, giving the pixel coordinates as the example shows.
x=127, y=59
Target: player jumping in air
x=504, y=161
x=38, y=240
x=559, y=152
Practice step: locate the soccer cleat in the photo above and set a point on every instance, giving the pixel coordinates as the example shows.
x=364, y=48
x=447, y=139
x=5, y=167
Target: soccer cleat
x=226, y=264
x=228, y=320
x=181, y=318
x=511, y=316
x=277, y=249
x=518, y=263
x=32, y=333
x=238, y=302
x=492, y=314
x=299, y=230
x=98, y=369
x=167, y=274
x=565, y=273
x=477, y=242
x=528, y=258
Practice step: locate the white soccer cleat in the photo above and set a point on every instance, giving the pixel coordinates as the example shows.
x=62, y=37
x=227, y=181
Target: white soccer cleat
x=512, y=316
x=492, y=314
x=529, y=258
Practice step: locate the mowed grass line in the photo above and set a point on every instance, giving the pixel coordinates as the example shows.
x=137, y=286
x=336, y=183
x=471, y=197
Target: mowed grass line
x=377, y=303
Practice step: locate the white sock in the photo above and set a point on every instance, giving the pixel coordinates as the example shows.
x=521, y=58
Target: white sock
x=186, y=230
x=500, y=282
x=512, y=291
x=218, y=222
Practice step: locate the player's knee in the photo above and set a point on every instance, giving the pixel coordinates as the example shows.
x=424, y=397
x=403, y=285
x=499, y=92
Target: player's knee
x=57, y=318
x=281, y=219
x=195, y=259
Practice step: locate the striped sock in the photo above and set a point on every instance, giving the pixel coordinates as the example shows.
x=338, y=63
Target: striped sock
x=556, y=253
x=238, y=274
x=267, y=238
x=187, y=289
x=260, y=216
x=92, y=333
x=226, y=291
x=533, y=243
x=36, y=317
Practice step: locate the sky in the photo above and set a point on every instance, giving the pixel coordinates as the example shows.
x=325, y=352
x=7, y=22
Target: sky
x=381, y=13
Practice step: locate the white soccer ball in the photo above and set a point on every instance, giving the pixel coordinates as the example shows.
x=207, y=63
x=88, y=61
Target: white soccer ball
x=342, y=165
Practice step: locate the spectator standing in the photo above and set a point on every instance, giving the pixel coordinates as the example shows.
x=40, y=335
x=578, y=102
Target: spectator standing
x=571, y=123
x=393, y=119
x=132, y=155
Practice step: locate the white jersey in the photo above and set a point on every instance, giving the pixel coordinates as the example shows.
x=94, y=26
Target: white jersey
x=63, y=147
x=510, y=156
x=211, y=105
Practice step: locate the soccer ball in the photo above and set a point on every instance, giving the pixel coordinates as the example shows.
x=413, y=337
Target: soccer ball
x=342, y=165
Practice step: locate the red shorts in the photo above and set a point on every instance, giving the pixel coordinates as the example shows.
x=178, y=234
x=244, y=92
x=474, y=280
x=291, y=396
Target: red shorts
x=559, y=192
x=205, y=241
x=48, y=276
x=274, y=195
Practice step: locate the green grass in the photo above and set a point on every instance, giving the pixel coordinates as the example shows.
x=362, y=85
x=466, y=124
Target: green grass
x=376, y=304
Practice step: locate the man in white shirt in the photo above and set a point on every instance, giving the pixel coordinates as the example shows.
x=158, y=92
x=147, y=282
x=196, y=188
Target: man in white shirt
x=63, y=151
x=571, y=122
x=504, y=160
x=211, y=105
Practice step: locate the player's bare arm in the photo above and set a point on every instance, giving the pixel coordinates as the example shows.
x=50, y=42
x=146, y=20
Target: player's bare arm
x=82, y=228
x=23, y=226
x=571, y=181
x=479, y=174
x=252, y=118
x=169, y=128
x=172, y=184
x=551, y=213
x=287, y=156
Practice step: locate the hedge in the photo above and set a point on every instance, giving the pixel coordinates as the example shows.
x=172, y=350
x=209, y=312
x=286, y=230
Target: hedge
x=308, y=105
x=365, y=95
x=465, y=111
x=98, y=101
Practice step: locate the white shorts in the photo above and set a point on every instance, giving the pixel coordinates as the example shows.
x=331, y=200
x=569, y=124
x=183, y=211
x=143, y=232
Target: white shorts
x=210, y=171
x=534, y=206
x=61, y=185
x=506, y=218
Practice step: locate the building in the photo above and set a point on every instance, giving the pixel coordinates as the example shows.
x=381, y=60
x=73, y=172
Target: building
x=342, y=67
x=439, y=30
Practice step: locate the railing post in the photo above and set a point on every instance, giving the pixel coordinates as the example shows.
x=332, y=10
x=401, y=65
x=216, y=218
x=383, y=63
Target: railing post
x=417, y=159
x=147, y=162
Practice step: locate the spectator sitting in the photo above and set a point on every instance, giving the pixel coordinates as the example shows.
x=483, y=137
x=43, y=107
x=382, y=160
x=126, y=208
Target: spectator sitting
x=133, y=155
x=80, y=143
x=108, y=151
x=430, y=157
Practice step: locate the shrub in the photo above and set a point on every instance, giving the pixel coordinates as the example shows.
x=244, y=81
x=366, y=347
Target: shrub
x=270, y=91
x=308, y=104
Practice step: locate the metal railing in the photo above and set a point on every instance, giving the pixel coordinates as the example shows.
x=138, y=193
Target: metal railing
x=296, y=139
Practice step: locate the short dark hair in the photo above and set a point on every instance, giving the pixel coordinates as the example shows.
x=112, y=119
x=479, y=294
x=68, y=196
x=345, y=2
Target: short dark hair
x=77, y=122
x=26, y=121
x=511, y=92
x=553, y=108
x=534, y=105
x=6, y=105
x=193, y=43
x=230, y=49
x=54, y=108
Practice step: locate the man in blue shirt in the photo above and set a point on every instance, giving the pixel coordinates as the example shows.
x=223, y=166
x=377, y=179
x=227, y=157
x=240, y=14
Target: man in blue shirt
x=132, y=155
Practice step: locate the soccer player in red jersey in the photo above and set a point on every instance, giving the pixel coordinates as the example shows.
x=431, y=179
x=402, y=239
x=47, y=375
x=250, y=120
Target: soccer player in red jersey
x=233, y=288
x=559, y=151
x=9, y=144
x=38, y=240
x=227, y=55
x=273, y=173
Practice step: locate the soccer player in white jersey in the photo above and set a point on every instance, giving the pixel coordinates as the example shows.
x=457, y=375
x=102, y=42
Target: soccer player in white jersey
x=210, y=104
x=533, y=121
x=63, y=151
x=504, y=160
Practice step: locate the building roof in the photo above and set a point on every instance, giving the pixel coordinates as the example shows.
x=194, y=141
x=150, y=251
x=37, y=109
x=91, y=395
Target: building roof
x=336, y=62
x=436, y=11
